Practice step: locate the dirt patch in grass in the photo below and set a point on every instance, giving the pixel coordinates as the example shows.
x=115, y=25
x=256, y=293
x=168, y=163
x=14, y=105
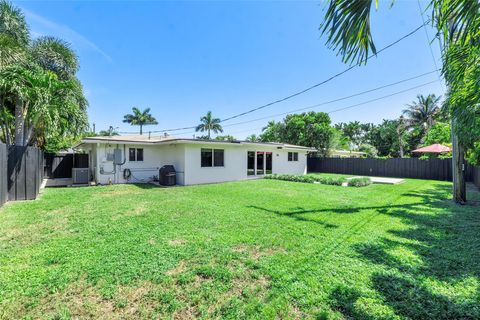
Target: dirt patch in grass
x=180, y=268
x=81, y=301
x=177, y=242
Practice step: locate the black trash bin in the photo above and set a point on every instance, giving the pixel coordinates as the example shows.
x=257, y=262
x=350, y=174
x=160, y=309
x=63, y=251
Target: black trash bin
x=167, y=176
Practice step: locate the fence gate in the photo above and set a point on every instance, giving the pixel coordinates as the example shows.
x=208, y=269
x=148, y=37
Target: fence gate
x=25, y=172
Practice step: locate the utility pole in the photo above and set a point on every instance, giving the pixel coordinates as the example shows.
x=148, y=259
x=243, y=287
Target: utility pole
x=458, y=167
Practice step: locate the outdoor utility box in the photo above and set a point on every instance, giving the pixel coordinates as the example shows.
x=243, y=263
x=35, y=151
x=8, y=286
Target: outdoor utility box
x=80, y=175
x=117, y=156
x=167, y=176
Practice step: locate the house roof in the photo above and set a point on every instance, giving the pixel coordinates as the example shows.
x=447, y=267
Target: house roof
x=146, y=139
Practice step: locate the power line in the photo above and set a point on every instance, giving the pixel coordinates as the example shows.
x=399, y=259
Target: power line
x=429, y=42
x=332, y=101
x=362, y=103
x=326, y=80
x=304, y=90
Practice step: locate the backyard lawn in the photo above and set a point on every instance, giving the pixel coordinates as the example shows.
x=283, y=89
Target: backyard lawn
x=254, y=249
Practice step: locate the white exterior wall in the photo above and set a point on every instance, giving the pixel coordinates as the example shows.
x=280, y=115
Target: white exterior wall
x=186, y=158
x=154, y=157
x=235, y=163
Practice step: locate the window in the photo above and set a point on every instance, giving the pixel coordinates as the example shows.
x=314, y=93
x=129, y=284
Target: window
x=139, y=154
x=218, y=157
x=135, y=154
x=212, y=157
x=293, y=156
x=207, y=159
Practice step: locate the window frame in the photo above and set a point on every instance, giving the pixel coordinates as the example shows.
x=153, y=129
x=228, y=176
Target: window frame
x=137, y=154
x=212, y=157
x=132, y=153
x=222, y=151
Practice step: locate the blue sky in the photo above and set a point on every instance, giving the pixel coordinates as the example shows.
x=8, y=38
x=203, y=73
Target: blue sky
x=182, y=59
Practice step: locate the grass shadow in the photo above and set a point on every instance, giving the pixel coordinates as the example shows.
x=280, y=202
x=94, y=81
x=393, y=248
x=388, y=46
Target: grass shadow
x=431, y=269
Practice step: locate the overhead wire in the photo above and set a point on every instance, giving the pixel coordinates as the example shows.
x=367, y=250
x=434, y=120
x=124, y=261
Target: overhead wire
x=301, y=91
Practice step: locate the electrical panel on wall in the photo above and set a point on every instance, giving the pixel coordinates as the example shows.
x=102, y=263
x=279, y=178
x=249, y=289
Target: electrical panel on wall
x=117, y=156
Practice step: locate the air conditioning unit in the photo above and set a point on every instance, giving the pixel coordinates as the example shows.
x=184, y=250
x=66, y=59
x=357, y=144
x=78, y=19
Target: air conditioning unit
x=80, y=175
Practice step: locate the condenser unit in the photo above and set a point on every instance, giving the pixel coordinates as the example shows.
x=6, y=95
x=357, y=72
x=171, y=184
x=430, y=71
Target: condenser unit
x=80, y=175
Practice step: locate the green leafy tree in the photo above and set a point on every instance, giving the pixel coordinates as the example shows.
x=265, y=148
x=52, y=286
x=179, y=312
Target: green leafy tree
x=310, y=129
x=109, y=133
x=42, y=101
x=440, y=132
x=355, y=132
x=209, y=124
x=272, y=132
x=253, y=138
x=225, y=138
x=347, y=26
x=387, y=139
x=339, y=141
x=370, y=150
x=140, y=118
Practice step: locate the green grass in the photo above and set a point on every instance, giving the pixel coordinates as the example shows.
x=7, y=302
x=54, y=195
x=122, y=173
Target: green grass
x=254, y=249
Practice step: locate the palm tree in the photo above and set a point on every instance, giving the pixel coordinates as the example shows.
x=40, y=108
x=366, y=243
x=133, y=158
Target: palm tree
x=421, y=113
x=38, y=87
x=139, y=118
x=347, y=26
x=209, y=123
x=14, y=34
x=253, y=138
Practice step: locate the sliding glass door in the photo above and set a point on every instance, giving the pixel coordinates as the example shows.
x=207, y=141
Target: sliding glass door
x=250, y=163
x=268, y=162
x=260, y=163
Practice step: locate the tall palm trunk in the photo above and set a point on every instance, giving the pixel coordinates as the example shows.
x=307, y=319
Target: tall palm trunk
x=141, y=129
x=208, y=134
x=19, y=122
x=27, y=134
x=458, y=155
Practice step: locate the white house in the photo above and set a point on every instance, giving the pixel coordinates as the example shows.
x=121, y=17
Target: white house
x=195, y=161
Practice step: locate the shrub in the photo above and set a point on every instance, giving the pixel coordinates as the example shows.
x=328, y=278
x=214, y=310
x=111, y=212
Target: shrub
x=359, y=182
x=307, y=179
x=336, y=181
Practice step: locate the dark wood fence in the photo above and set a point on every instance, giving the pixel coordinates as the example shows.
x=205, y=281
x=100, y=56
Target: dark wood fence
x=24, y=172
x=3, y=174
x=433, y=169
x=475, y=176
x=59, y=165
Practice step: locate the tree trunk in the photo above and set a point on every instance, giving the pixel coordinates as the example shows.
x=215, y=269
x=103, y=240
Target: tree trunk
x=208, y=134
x=458, y=174
x=141, y=131
x=19, y=122
x=28, y=133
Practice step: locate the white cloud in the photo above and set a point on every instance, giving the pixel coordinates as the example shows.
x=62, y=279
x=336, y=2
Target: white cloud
x=42, y=26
